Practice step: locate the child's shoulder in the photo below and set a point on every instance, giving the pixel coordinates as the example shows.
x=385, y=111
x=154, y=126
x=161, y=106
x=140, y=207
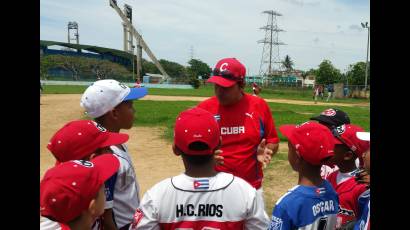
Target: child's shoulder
x=293, y=195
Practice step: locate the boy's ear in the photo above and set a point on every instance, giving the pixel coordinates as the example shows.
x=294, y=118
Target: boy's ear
x=92, y=156
x=92, y=209
x=174, y=149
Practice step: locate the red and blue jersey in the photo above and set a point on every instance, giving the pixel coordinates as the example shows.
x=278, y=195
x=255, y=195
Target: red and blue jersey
x=349, y=192
x=243, y=126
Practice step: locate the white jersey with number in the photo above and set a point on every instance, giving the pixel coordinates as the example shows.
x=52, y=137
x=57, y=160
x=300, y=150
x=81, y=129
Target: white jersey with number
x=212, y=203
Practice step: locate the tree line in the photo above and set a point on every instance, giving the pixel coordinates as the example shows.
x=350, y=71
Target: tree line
x=103, y=69
x=326, y=73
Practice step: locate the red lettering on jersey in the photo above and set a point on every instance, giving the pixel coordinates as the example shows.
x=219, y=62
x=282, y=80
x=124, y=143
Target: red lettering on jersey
x=137, y=218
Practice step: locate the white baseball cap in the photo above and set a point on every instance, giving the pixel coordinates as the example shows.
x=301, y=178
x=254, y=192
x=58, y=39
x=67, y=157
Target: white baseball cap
x=365, y=136
x=103, y=95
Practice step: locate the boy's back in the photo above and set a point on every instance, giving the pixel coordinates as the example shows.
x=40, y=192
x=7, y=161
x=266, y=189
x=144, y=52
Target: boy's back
x=349, y=191
x=306, y=207
x=222, y=202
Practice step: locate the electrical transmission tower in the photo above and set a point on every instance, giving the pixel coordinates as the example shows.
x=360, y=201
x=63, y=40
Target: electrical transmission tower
x=191, y=53
x=271, y=63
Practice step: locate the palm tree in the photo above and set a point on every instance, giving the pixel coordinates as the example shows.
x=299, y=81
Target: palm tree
x=304, y=75
x=287, y=63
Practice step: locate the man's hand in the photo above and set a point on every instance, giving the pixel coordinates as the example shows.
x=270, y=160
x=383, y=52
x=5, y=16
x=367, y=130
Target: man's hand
x=264, y=153
x=219, y=160
x=363, y=177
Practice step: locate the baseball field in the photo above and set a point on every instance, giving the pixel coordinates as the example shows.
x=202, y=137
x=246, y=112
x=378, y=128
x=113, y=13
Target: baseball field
x=150, y=138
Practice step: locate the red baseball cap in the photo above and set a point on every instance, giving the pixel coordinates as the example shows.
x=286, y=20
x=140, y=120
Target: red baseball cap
x=313, y=142
x=67, y=189
x=348, y=136
x=78, y=139
x=196, y=125
x=227, y=72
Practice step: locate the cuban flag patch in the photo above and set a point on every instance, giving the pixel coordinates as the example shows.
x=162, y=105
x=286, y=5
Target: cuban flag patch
x=201, y=184
x=217, y=117
x=320, y=191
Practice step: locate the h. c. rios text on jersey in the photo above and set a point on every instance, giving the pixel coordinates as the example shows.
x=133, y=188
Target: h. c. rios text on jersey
x=199, y=210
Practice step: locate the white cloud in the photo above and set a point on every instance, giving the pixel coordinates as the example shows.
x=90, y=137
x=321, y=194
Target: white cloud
x=218, y=28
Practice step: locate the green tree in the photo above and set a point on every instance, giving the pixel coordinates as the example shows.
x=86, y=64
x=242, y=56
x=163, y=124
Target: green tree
x=148, y=67
x=83, y=66
x=327, y=73
x=356, y=73
x=69, y=63
x=104, y=69
x=173, y=69
x=287, y=63
x=46, y=63
x=198, y=68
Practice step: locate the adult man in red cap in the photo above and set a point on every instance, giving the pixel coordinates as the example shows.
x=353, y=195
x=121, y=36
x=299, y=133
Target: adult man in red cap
x=249, y=138
x=200, y=198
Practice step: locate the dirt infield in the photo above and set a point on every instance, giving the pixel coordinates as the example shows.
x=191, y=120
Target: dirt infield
x=152, y=156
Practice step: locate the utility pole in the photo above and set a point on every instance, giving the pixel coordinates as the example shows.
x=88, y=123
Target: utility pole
x=366, y=26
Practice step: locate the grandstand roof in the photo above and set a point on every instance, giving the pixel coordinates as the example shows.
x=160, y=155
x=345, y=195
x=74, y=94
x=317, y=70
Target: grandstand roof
x=95, y=49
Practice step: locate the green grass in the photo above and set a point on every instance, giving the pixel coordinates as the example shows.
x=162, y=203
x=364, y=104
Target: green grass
x=64, y=89
x=207, y=91
x=163, y=113
x=160, y=113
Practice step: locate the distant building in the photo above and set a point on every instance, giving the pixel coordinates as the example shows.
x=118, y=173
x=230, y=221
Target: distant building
x=152, y=78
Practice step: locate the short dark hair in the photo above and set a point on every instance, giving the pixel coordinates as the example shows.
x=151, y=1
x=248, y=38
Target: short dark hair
x=196, y=159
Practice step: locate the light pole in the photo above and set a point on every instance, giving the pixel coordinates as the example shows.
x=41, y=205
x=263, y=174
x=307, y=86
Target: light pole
x=133, y=71
x=366, y=26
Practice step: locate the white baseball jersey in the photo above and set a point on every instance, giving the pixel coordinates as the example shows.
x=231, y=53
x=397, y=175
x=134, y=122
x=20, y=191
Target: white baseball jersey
x=325, y=170
x=212, y=203
x=122, y=189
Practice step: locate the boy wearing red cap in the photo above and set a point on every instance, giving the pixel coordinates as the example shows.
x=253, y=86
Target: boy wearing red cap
x=110, y=103
x=72, y=193
x=200, y=198
x=332, y=118
x=249, y=138
x=348, y=147
x=313, y=203
x=81, y=140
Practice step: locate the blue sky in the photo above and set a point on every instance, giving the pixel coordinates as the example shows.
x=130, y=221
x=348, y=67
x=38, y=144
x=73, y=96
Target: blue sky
x=315, y=29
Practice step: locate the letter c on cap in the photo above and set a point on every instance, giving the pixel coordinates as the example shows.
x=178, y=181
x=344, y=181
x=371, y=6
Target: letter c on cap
x=222, y=66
